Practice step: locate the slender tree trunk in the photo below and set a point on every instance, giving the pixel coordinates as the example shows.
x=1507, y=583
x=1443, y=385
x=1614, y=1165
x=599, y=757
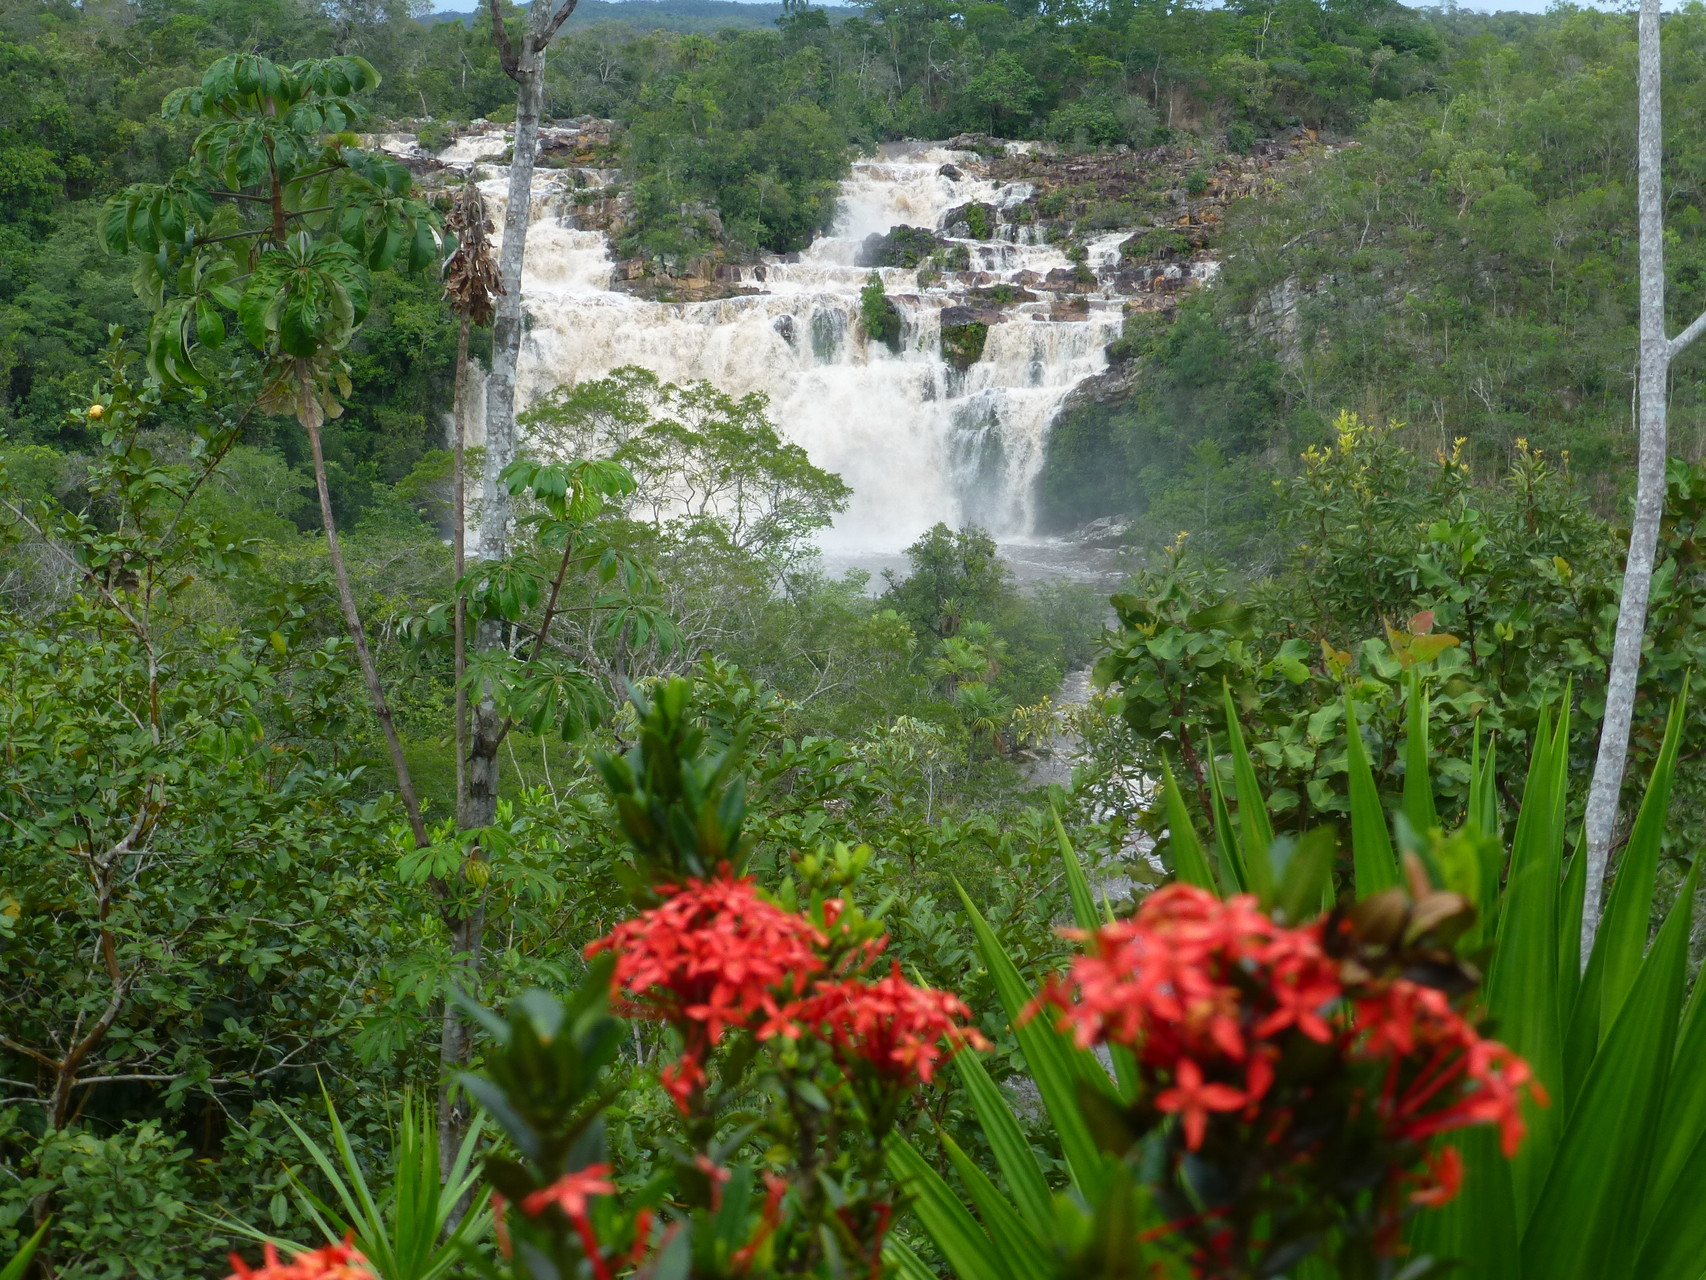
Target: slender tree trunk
x=478, y=798
x=1654, y=370
x=459, y=564
x=507, y=325
x=480, y=806
x=453, y=1034
x=467, y=936
x=310, y=417
x=479, y=802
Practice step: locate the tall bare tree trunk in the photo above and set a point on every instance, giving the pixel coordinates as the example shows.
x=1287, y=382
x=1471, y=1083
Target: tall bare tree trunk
x=478, y=804
x=459, y=563
x=470, y=280
x=527, y=69
x=452, y=1046
x=1656, y=354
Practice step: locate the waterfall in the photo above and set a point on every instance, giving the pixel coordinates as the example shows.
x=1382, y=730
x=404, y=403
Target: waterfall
x=917, y=440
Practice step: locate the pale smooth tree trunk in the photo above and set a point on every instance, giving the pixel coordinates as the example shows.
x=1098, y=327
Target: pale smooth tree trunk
x=527, y=68
x=479, y=802
x=1651, y=390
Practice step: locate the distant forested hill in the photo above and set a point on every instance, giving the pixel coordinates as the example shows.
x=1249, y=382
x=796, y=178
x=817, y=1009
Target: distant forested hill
x=1465, y=268
x=668, y=15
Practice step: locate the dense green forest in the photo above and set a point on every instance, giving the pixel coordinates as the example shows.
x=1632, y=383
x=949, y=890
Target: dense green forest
x=1465, y=269
x=757, y=968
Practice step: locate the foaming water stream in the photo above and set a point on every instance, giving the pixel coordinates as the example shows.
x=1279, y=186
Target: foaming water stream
x=918, y=440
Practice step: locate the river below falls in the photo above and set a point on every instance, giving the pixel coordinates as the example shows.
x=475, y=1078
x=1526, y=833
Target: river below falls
x=1033, y=561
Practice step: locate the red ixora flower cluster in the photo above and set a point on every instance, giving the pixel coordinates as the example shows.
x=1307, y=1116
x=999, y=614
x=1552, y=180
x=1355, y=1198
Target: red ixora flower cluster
x=334, y=1262
x=1207, y=993
x=716, y=955
x=896, y=1027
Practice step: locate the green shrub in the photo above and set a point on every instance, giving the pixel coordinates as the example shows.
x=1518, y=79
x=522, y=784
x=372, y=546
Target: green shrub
x=435, y=135
x=962, y=344
x=879, y=315
x=1086, y=123
x=120, y=1202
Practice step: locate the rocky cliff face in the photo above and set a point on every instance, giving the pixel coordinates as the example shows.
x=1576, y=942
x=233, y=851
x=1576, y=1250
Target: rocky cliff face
x=1167, y=202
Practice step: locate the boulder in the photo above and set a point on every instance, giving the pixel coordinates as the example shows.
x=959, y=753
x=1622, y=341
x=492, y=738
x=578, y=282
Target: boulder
x=1108, y=532
x=974, y=220
x=964, y=334
x=902, y=246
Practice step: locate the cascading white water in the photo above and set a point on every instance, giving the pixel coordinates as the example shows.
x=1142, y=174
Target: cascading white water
x=916, y=439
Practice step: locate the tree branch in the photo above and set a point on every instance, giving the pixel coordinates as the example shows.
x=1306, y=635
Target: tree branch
x=1680, y=343
x=550, y=614
x=500, y=37
x=558, y=18
x=9, y=1043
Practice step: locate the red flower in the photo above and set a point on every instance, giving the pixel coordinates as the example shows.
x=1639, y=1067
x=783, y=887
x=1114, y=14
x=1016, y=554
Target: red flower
x=1444, y=1179
x=1211, y=996
x=714, y=955
x=896, y=1027
x=571, y=1191
x=682, y=1079
x=333, y=1262
x=1194, y=1099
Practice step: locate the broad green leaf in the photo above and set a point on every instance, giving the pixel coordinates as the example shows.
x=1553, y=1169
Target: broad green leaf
x=1013, y=1155
x=1624, y=930
x=1225, y=838
x=1479, y=1228
x=963, y=1243
x=1374, y=864
x=1484, y=815
x=1522, y=986
x=1586, y=1217
x=1305, y=884
x=1255, y=831
x=20, y=1263
x=209, y=325
x=1190, y=864
x=1683, y=1122
x=1084, y=913
x=1675, y=1244
x=1578, y=992
x=1085, y=916
x=1016, y=1239
x=1418, y=767
x=1570, y=901
x=1056, y=1063
x=907, y=1264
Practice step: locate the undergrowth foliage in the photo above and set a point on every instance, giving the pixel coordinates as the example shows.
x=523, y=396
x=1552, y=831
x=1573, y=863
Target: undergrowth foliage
x=1279, y=1087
